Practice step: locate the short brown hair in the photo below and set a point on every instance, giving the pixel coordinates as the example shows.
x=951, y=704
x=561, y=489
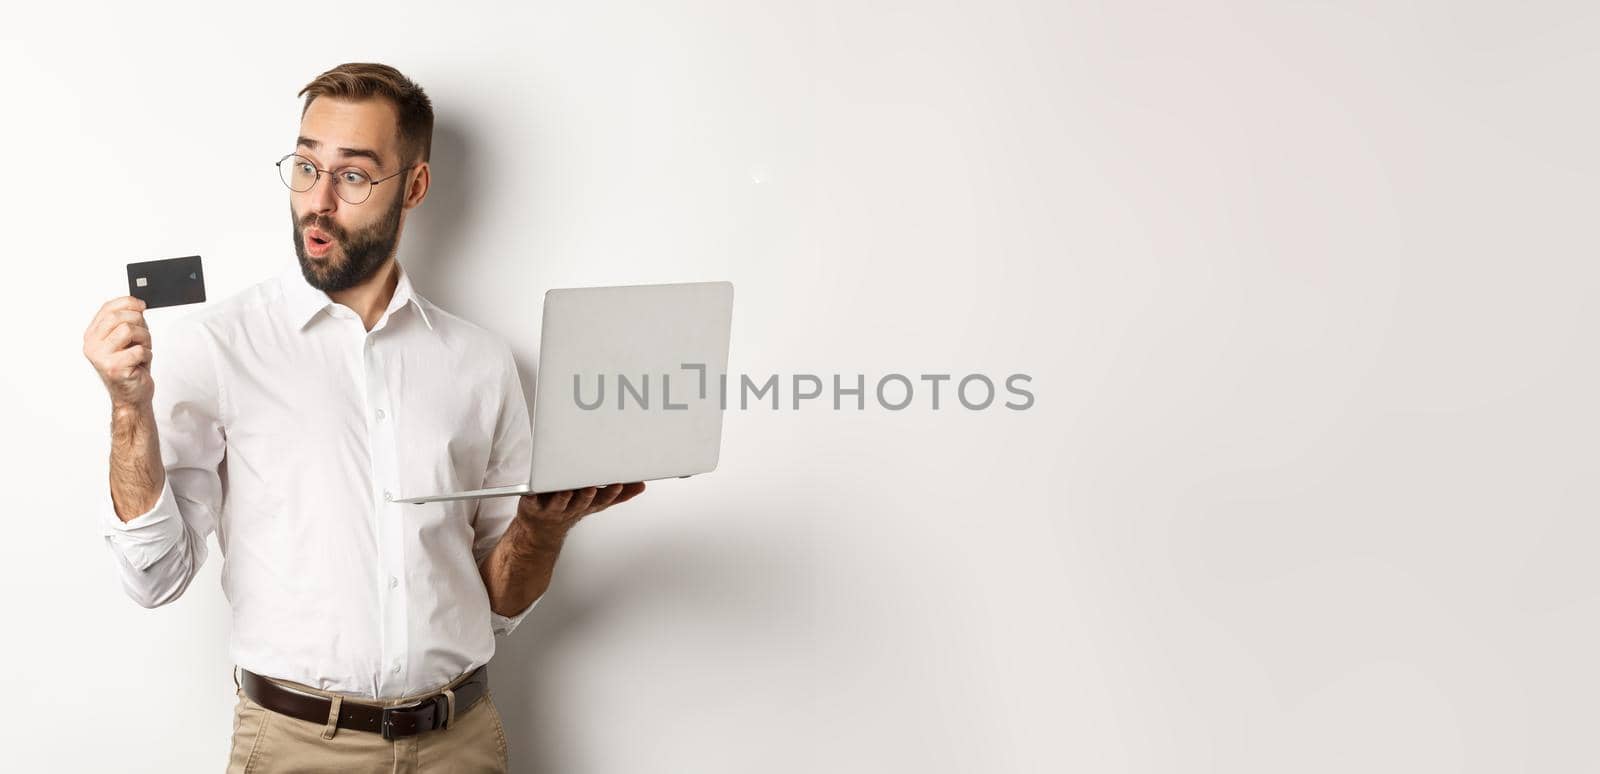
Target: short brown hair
x=364, y=80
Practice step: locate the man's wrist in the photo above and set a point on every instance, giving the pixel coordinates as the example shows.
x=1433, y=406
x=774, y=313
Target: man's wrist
x=540, y=537
x=125, y=411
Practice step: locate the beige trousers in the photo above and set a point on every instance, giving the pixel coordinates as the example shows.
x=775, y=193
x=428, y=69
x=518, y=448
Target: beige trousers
x=267, y=742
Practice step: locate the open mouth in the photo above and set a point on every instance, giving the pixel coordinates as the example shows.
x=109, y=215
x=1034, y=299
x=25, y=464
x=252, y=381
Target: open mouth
x=317, y=242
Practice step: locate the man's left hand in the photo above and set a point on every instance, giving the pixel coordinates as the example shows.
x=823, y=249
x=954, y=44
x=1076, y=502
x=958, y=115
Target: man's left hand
x=553, y=514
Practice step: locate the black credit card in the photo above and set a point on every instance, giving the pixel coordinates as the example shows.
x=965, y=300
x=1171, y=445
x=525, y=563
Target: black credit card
x=167, y=282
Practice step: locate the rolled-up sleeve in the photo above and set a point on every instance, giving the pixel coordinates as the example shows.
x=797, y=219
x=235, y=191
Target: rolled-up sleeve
x=158, y=552
x=510, y=460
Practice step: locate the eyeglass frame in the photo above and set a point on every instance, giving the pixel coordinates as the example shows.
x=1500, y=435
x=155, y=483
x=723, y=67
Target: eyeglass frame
x=370, y=182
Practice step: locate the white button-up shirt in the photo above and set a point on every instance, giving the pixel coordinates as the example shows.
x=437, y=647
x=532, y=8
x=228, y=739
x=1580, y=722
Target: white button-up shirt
x=286, y=428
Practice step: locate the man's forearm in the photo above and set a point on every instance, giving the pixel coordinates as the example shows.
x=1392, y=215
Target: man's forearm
x=520, y=567
x=137, y=474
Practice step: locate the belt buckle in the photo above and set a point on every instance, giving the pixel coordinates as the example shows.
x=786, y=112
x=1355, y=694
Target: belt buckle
x=385, y=722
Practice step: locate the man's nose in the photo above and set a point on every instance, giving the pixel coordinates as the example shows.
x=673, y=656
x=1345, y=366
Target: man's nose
x=321, y=197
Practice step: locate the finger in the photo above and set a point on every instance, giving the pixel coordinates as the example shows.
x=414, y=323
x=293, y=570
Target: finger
x=528, y=504
x=127, y=333
x=121, y=340
x=121, y=302
x=112, y=314
x=115, y=320
x=606, y=496
x=582, y=499
x=630, y=491
x=626, y=492
x=558, y=500
x=102, y=323
x=131, y=357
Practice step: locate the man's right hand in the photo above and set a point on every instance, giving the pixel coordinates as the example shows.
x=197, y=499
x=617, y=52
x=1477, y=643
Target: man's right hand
x=118, y=344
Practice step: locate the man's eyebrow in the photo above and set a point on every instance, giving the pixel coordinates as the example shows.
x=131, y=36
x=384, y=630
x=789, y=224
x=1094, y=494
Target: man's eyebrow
x=347, y=152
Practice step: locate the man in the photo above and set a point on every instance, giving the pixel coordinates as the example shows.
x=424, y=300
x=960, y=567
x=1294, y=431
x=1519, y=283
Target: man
x=288, y=418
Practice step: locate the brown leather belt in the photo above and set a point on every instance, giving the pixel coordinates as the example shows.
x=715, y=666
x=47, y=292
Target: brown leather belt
x=426, y=714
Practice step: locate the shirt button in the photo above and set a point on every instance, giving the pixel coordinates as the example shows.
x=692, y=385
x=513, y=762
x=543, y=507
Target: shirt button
x=393, y=581
x=396, y=669
x=387, y=496
x=380, y=415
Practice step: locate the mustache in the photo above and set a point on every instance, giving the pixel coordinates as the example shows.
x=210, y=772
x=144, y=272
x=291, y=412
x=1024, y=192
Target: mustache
x=323, y=224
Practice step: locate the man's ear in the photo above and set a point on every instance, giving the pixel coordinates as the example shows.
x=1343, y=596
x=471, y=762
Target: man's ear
x=417, y=189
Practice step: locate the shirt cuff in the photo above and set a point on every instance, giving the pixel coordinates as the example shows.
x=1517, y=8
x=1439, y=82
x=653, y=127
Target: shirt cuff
x=504, y=625
x=146, y=538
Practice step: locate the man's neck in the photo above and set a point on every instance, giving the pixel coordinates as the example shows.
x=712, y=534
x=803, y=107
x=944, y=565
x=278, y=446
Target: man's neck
x=372, y=296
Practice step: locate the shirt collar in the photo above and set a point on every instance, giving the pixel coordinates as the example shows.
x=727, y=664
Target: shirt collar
x=304, y=301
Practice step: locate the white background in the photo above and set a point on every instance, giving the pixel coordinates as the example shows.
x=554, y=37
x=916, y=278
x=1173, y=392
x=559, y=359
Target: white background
x=1306, y=290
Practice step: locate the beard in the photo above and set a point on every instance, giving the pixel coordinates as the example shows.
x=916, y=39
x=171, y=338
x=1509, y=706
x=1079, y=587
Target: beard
x=354, y=257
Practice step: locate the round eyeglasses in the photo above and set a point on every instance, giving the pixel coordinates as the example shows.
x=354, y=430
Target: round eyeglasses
x=350, y=183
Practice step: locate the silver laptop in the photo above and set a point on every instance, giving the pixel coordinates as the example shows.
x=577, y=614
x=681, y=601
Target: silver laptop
x=629, y=387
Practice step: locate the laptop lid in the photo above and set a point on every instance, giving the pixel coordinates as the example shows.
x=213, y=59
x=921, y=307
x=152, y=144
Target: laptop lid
x=630, y=383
